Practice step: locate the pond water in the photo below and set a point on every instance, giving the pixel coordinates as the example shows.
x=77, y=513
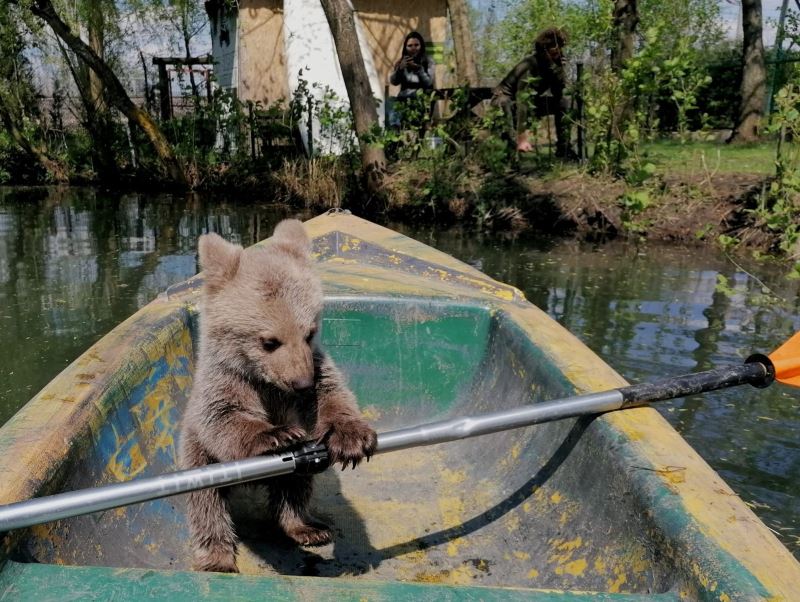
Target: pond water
x=76, y=262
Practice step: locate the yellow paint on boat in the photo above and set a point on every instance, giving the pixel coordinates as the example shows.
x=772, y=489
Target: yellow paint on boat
x=118, y=468
x=574, y=567
x=462, y=575
x=614, y=585
x=562, y=556
x=599, y=565
x=453, y=477
x=371, y=413
x=512, y=522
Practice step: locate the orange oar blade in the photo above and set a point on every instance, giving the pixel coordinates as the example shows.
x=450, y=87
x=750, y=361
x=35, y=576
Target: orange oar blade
x=786, y=359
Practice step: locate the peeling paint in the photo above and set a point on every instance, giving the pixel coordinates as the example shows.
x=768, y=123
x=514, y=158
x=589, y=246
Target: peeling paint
x=574, y=568
x=614, y=585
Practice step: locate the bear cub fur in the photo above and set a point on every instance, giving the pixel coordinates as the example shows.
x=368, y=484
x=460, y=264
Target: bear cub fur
x=262, y=384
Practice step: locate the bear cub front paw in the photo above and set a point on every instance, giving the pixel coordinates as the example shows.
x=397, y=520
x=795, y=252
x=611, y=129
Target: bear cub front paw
x=350, y=442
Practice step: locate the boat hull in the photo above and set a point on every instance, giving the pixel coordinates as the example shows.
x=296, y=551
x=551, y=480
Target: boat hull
x=617, y=505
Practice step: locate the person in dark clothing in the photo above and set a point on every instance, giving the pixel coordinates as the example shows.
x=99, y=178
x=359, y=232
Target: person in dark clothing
x=413, y=72
x=544, y=69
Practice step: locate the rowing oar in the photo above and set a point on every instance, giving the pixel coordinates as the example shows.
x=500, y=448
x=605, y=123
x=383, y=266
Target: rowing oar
x=310, y=458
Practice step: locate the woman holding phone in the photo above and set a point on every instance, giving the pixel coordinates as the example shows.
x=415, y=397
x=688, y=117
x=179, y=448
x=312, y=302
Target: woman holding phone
x=413, y=72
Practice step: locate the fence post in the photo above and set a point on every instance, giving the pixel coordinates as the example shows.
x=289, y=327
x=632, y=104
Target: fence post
x=310, y=129
x=164, y=92
x=252, y=120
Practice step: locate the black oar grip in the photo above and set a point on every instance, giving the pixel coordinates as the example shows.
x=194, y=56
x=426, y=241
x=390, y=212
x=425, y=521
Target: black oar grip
x=757, y=371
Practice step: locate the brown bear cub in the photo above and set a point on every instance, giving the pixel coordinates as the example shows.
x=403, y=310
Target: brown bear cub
x=262, y=384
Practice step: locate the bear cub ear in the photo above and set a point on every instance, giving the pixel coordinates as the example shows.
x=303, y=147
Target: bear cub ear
x=219, y=260
x=291, y=237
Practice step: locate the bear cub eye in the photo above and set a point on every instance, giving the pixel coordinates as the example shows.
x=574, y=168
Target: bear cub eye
x=271, y=344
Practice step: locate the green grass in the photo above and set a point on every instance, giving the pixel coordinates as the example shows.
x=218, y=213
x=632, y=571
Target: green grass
x=671, y=156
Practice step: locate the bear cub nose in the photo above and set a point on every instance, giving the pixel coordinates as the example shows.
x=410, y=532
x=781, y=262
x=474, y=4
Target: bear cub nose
x=302, y=384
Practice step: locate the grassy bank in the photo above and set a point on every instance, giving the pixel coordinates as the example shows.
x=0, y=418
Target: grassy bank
x=698, y=158
x=694, y=193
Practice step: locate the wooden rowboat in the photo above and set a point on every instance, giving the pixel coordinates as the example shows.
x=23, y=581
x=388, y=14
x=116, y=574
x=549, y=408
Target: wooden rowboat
x=613, y=508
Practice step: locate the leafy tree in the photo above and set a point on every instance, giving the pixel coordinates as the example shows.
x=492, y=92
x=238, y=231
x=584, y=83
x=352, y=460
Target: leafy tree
x=96, y=18
x=115, y=92
x=186, y=19
x=18, y=104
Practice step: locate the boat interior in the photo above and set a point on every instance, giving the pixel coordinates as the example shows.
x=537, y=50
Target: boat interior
x=544, y=507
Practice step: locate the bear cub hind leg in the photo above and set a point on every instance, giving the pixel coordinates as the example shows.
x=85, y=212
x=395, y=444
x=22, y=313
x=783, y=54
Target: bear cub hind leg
x=213, y=535
x=289, y=497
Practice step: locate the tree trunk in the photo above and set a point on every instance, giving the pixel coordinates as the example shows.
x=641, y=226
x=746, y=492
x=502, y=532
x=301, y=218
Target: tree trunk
x=97, y=120
x=466, y=67
x=754, y=75
x=625, y=17
x=187, y=43
x=95, y=27
x=115, y=91
x=341, y=20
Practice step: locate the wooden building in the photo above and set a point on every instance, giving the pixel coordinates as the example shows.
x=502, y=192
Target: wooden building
x=260, y=46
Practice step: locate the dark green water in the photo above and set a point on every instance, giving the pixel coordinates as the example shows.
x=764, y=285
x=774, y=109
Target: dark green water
x=75, y=263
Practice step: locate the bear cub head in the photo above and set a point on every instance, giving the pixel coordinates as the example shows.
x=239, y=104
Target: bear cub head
x=262, y=307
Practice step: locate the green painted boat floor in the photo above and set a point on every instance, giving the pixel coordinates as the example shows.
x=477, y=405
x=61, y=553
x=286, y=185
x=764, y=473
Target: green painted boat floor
x=48, y=583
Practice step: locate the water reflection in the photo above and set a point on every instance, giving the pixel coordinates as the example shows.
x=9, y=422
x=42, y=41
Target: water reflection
x=74, y=263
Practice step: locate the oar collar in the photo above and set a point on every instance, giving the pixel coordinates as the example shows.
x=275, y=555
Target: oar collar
x=769, y=376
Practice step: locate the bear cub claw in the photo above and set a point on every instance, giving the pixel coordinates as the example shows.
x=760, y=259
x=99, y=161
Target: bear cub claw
x=312, y=534
x=280, y=437
x=350, y=442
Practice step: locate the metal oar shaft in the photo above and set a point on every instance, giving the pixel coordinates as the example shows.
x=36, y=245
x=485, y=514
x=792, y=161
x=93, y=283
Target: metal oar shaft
x=484, y=424
x=755, y=373
x=313, y=458
x=86, y=501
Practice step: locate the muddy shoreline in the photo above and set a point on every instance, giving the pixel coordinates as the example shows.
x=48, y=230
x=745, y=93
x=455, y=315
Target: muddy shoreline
x=680, y=208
